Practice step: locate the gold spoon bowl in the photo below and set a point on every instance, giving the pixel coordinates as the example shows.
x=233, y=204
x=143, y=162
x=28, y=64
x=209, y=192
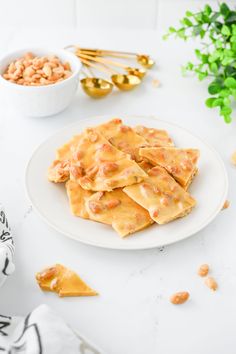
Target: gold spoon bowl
x=139, y=72
x=125, y=82
x=96, y=87
x=145, y=61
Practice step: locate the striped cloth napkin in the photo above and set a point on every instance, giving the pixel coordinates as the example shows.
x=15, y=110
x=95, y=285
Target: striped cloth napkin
x=6, y=248
x=41, y=332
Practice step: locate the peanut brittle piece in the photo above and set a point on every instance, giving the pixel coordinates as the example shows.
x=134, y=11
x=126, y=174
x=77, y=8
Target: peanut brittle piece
x=122, y=137
x=162, y=196
x=77, y=196
x=63, y=281
x=180, y=163
x=154, y=137
x=118, y=210
x=59, y=171
x=102, y=167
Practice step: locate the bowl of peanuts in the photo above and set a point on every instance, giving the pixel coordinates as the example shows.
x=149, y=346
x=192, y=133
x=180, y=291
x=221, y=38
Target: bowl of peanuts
x=39, y=82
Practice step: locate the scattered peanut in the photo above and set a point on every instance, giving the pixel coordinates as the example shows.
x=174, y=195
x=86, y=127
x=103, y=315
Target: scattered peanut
x=211, y=283
x=203, y=270
x=226, y=205
x=179, y=298
x=155, y=83
x=233, y=158
x=37, y=71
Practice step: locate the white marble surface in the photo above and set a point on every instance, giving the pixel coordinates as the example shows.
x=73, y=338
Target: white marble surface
x=132, y=313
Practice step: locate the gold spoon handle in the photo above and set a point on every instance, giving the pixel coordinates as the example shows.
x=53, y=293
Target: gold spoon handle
x=109, y=54
x=101, y=51
x=98, y=67
x=103, y=60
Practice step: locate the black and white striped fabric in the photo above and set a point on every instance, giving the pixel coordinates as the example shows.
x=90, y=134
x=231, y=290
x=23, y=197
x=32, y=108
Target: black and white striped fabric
x=41, y=332
x=6, y=247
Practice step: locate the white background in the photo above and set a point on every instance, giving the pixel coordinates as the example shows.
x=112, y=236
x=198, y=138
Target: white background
x=132, y=313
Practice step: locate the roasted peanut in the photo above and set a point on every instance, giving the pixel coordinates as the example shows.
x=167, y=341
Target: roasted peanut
x=112, y=203
x=95, y=207
x=226, y=205
x=155, y=213
x=179, y=298
x=211, y=283
x=203, y=270
x=108, y=167
x=76, y=171
x=46, y=274
x=47, y=70
x=155, y=83
x=124, y=128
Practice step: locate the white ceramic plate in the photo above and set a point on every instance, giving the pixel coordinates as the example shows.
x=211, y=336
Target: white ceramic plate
x=50, y=200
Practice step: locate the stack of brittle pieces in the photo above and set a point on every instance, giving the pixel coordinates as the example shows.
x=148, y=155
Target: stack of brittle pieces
x=125, y=177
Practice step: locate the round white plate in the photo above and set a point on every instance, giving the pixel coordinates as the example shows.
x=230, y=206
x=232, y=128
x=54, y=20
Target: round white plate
x=50, y=200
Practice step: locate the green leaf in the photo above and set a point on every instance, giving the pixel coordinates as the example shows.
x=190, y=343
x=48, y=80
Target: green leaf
x=234, y=29
x=207, y=10
x=230, y=82
x=202, y=33
x=187, y=22
x=218, y=43
x=233, y=93
x=226, y=101
x=227, y=118
x=202, y=75
x=209, y=102
x=231, y=18
x=214, y=68
x=172, y=30
x=214, y=17
x=227, y=61
x=225, y=110
x=198, y=54
x=188, y=14
x=225, y=30
x=181, y=33
x=224, y=9
x=214, y=88
x=217, y=102
x=214, y=56
x=224, y=93
x=189, y=66
x=198, y=17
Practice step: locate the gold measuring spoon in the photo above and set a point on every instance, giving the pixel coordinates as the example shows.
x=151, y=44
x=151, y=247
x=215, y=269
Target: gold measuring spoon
x=96, y=87
x=139, y=72
x=123, y=82
x=143, y=59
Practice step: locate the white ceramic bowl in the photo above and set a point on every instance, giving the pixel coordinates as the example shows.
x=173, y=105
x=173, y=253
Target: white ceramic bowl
x=40, y=101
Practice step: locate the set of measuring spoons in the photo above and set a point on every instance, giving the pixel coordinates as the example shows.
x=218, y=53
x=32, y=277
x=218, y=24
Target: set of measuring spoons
x=97, y=87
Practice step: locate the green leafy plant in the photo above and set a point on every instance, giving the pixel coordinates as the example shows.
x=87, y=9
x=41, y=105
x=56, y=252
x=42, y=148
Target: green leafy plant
x=217, y=56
